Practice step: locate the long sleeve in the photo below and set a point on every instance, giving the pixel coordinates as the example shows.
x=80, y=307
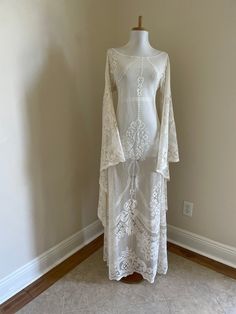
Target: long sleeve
x=111, y=148
x=168, y=145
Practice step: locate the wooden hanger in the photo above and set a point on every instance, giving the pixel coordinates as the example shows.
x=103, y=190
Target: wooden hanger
x=139, y=27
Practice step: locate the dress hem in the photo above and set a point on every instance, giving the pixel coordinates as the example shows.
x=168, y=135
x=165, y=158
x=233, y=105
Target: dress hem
x=127, y=273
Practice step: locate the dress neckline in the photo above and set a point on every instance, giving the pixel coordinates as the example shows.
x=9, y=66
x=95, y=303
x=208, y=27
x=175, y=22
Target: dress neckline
x=123, y=54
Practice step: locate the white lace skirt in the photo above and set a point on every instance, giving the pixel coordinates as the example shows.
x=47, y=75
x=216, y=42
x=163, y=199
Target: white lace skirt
x=135, y=233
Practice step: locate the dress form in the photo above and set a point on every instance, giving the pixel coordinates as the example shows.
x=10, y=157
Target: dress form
x=138, y=45
x=139, y=142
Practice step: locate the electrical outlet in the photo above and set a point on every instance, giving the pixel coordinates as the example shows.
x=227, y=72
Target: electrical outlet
x=188, y=209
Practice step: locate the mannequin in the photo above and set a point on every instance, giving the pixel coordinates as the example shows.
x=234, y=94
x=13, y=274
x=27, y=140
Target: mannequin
x=139, y=141
x=138, y=45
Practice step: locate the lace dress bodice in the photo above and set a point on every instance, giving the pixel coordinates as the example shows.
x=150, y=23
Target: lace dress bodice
x=136, y=80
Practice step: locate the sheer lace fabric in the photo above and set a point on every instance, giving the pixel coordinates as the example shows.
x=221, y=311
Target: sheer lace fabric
x=138, y=142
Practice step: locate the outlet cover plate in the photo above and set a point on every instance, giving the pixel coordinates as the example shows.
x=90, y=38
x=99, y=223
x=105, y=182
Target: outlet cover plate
x=188, y=208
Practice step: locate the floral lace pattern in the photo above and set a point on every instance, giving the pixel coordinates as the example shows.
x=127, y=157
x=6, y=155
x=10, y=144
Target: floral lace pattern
x=151, y=244
x=127, y=217
x=155, y=201
x=132, y=200
x=136, y=140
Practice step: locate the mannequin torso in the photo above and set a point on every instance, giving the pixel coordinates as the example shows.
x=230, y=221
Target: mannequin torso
x=138, y=45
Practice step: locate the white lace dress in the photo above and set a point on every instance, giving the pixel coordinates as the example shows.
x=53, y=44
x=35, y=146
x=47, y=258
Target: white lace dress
x=138, y=142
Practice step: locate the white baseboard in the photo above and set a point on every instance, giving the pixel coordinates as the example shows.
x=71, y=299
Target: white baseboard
x=215, y=250
x=28, y=273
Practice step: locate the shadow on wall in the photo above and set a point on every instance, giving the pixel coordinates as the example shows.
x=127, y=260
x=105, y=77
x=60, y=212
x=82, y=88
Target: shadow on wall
x=56, y=153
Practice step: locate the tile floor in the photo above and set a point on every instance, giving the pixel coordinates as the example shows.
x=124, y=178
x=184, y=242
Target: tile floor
x=186, y=288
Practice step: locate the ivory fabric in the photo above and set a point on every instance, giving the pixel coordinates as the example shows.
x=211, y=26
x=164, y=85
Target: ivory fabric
x=138, y=142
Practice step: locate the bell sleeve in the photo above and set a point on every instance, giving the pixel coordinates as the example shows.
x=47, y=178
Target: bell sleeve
x=168, y=145
x=111, y=149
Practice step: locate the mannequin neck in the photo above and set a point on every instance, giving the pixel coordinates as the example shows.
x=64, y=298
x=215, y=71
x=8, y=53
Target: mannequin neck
x=138, y=43
x=138, y=39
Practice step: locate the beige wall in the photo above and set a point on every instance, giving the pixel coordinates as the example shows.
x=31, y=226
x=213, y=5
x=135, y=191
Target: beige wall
x=200, y=39
x=51, y=85
x=52, y=57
